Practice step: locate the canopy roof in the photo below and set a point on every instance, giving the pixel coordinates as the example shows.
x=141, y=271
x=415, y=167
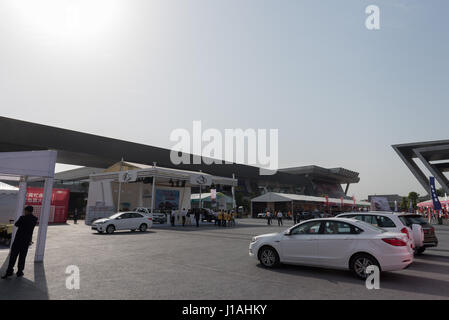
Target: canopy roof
x=286, y=197
x=206, y=197
x=429, y=203
x=143, y=171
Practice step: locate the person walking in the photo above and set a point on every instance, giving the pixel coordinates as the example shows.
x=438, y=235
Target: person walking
x=225, y=218
x=215, y=218
x=233, y=218
x=280, y=216
x=219, y=217
x=183, y=216
x=172, y=217
x=197, y=218
x=269, y=217
x=75, y=216
x=25, y=227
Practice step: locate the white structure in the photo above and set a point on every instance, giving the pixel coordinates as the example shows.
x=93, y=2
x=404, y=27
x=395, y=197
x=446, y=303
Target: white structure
x=20, y=166
x=137, y=188
x=273, y=197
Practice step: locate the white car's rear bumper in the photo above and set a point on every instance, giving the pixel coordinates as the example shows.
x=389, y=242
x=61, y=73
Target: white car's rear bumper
x=396, y=261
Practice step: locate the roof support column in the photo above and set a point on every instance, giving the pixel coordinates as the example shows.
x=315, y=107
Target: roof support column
x=347, y=188
x=43, y=220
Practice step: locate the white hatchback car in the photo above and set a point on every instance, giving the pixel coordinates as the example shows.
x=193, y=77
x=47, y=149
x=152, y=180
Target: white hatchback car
x=390, y=222
x=123, y=221
x=334, y=243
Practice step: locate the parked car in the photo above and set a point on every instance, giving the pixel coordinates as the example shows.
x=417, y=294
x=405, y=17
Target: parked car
x=123, y=221
x=261, y=215
x=430, y=239
x=158, y=217
x=390, y=222
x=337, y=243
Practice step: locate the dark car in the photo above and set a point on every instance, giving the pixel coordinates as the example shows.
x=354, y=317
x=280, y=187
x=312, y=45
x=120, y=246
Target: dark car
x=206, y=214
x=159, y=218
x=430, y=238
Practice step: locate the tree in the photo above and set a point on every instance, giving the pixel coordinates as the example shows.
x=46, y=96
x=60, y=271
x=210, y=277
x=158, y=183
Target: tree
x=413, y=197
x=404, y=204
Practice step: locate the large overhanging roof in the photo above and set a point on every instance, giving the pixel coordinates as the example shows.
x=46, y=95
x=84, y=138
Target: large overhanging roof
x=340, y=175
x=82, y=149
x=433, y=154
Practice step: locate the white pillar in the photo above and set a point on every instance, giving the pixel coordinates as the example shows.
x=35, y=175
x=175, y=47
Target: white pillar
x=118, y=195
x=20, y=203
x=201, y=204
x=233, y=193
x=153, y=191
x=140, y=200
x=43, y=220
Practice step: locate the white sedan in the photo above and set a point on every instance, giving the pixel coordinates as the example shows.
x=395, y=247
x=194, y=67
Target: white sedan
x=337, y=243
x=123, y=221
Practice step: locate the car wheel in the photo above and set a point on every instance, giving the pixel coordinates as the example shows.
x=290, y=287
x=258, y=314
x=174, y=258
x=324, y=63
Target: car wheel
x=110, y=229
x=420, y=250
x=143, y=227
x=360, y=262
x=268, y=257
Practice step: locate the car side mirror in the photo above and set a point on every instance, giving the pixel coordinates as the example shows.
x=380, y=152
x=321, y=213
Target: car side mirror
x=287, y=233
x=118, y=218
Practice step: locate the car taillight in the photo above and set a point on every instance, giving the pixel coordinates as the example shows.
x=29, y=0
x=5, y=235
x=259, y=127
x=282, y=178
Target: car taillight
x=395, y=242
x=150, y=219
x=405, y=230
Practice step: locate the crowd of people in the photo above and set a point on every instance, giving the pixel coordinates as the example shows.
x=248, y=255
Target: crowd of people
x=225, y=218
x=276, y=215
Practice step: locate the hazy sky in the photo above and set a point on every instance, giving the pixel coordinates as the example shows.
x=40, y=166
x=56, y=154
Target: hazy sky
x=339, y=94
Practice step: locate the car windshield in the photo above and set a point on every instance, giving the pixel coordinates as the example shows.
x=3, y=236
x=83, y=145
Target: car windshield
x=415, y=219
x=115, y=215
x=366, y=225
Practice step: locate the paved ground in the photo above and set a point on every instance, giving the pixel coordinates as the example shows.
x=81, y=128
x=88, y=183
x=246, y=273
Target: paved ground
x=208, y=263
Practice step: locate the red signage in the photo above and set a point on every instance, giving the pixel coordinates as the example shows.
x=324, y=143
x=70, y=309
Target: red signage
x=59, y=203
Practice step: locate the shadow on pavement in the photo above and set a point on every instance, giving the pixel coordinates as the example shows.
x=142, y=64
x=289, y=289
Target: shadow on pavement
x=22, y=288
x=399, y=281
x=124, y=232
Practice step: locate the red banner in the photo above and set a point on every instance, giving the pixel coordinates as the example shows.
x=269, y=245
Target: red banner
x=59, y=203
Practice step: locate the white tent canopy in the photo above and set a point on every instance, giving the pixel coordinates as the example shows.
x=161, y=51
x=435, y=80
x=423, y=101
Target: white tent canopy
x=22, y=166
x=286, y=197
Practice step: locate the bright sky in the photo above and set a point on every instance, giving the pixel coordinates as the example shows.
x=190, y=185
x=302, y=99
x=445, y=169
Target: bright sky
x=339, y=94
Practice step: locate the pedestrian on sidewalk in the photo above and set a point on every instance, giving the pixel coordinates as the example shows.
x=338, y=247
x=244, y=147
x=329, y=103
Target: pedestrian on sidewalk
x=269, y=217
x=172, y=217
x=280, y=216
x=75, y=216
x=183, y=216
x=197, y=218
x=25, y=227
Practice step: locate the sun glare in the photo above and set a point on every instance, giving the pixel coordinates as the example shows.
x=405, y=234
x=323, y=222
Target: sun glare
x=59, y=20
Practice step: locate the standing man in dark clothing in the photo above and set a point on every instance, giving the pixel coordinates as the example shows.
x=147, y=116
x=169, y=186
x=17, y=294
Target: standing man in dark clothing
x=25, y=227
x=197, y=218
x=75, y=216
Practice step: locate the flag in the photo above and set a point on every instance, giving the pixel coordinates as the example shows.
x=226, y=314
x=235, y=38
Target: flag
x=433, y=193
